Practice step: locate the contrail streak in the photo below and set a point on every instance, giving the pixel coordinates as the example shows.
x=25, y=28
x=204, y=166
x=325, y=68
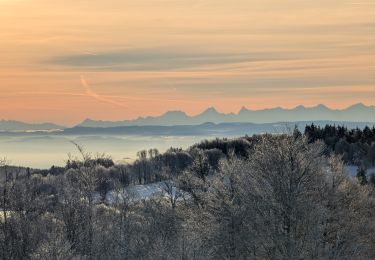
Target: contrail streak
x=96, y=96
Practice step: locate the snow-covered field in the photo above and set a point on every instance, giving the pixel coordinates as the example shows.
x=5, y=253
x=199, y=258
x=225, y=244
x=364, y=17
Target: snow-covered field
x=167, y=189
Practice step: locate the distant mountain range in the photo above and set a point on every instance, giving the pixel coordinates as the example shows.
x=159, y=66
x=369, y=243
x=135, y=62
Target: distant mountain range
x=356, y=113
x=12, y=126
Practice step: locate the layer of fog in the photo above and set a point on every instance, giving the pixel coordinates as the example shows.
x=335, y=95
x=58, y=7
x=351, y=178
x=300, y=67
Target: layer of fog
x=43, y=151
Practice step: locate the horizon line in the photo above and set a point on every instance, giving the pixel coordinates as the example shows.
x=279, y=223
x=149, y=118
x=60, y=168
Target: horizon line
x=192, y=115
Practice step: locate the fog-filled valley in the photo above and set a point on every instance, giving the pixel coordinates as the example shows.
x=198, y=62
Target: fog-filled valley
x=44, y=150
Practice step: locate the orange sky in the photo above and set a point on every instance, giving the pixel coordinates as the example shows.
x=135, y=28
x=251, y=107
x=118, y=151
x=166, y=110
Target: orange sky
x=64, y=61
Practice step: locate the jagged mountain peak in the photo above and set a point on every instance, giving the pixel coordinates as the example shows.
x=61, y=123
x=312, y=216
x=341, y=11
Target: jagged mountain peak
x=358, y=106
x=356, y=113
x=243, y=110
x=210, y=110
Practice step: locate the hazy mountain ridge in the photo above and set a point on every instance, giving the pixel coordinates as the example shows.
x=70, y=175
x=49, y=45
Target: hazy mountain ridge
x=12, y=125
x=355, y=113
x=207, y=129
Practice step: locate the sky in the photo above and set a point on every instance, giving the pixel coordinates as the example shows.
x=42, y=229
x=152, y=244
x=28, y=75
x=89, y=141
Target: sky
x=64, y=61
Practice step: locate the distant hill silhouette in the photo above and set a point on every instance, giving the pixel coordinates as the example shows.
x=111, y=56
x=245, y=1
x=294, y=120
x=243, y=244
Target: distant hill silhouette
x=206, y=129
x=355, y=113
x=11, y=125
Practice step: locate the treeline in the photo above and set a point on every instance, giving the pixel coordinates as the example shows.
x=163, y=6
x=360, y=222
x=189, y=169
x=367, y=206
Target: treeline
x=260, y=197
x=357, y=146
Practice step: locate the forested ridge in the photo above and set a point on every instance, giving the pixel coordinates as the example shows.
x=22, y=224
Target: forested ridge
x=260, y=197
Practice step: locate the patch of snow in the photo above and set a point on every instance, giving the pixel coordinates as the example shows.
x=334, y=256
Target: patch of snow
x=137, y=193
x=352, y=170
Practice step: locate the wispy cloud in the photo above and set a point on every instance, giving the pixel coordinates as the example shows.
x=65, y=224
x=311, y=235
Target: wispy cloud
x=89, y=92
x=160, y=59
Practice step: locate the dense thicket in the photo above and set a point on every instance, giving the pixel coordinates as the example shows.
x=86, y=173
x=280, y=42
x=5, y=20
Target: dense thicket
x=261, y=197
